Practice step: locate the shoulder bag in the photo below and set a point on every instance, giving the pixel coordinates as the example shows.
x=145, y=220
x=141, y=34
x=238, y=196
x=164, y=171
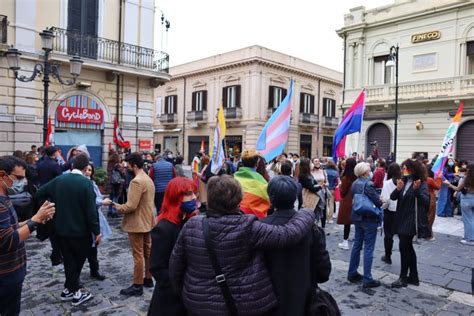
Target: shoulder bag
x=362, y=205
x=310, y=199
x=220, y=277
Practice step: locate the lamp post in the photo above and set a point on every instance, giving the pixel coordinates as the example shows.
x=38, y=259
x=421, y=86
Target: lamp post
x=393, y=62
x=46, y=68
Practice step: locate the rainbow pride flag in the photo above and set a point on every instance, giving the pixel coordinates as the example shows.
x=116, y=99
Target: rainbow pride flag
x=256, y=200
x=448, y=143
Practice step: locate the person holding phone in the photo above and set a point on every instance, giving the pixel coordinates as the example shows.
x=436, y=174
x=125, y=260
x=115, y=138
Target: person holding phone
x=13, y=235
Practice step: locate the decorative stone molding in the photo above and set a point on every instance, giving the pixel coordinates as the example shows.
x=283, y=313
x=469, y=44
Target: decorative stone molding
x=170, y=89
x=330, y=92
x=308, y=87
x=25, y=118
x=199, y=84
x=279, y=80
x=231, y=79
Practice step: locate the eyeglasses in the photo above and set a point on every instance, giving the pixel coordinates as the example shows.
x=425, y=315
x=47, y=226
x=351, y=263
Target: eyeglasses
x=17, y=177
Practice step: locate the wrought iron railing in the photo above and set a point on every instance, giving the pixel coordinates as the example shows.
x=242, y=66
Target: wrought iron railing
x=233, y=113
x=3, y=29
x=106, y=50
x=168, y=118
x=309, y=119
x=331, y=122
x=196, y=116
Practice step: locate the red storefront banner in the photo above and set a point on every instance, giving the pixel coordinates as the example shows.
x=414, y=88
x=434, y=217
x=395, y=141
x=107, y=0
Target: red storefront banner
x=144, y=144
x=79, y=115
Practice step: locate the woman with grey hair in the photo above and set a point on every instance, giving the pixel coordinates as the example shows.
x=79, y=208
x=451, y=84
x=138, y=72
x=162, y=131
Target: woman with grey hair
x=365, y=229
x=243, y=286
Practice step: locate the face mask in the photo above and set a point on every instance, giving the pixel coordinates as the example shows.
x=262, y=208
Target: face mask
x=450, y=163
x=188, y=207
x=17, y=187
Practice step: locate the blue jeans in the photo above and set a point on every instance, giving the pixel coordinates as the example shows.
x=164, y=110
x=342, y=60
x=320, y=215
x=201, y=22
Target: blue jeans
x=467, y=209
x=113, y=198
x=365, y=234
x=444, y=208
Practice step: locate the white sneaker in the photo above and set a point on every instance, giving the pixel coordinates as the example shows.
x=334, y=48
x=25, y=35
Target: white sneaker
x=467, y=242
x=344, y=245
x=80, y=297
x=66, y=295
x=330, y=221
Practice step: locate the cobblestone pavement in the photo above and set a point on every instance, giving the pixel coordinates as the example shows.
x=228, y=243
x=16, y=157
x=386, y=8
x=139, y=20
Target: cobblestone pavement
x=445, y=272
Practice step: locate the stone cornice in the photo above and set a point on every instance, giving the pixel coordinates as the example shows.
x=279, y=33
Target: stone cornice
x=255, y=61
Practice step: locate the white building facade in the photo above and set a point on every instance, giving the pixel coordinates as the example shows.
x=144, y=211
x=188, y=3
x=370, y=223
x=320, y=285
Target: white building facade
x=250, y=83
x=436, y=72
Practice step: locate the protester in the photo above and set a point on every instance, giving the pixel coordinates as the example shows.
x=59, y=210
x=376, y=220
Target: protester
x=203, y=177
x=12, y=236
x=365, y=229
x=306, y=180
x=75, y=222
x=295, y=271
x=287, y=170
x=179, y=203
x=467, y=207
x=237, y=240
x=444, y=208
x=410, y=218
x=161, y=173
x=115, y=182
x=389, y=207
x=345, y=205
x=138, y=221
x=179, y=166
x=333, y=182
x=104, y=226
x=379, y=175
x=433, y=185
x=255, y=200
x=22, y=192
x=262, y=168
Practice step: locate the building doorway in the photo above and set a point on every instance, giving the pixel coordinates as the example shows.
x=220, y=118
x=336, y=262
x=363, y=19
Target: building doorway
x=305, y=145
x=233, y=145
x=464, y=143
x=65, y=139
x=380, y=133
x=171, y=143
x=194, y=145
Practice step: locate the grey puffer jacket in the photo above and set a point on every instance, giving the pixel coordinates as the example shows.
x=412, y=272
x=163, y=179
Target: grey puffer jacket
x=238, y=240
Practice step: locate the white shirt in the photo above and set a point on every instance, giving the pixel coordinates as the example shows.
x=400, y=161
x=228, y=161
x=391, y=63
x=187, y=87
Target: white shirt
x=388, y=188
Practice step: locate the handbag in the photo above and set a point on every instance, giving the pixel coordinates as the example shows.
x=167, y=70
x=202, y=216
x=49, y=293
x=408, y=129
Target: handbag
x=220, y=277
x=322, y=303
x=310, y=199
x=363, y=206
x=337, y=194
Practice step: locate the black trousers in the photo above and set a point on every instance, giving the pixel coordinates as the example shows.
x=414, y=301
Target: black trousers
x=10, y=299
x=93, y=261
x=389, y=231
x=408, y=257
x=347, y=231
x=75, y=252
x=56, y=256
x=158, y=201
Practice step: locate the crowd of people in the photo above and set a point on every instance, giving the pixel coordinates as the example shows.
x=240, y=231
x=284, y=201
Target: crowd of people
x=222, y=242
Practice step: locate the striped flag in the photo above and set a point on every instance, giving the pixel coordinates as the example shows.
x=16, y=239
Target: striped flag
x=274, y=136
x=217, y=156
x=49, y=134
x=448, y=143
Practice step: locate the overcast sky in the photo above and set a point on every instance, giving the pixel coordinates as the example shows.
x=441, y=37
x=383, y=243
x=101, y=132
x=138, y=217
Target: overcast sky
x=301, y=28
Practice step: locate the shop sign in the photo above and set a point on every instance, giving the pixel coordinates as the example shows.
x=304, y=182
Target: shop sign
x=79, y=115
x=424, y=37
x=144, y=144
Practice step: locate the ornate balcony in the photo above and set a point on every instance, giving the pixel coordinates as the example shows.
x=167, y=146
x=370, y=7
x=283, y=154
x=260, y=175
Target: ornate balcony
x=109, y=51
x=196, y=116
x=308, y=119
x=168, y=119
x=233, y=113
x=330, y=122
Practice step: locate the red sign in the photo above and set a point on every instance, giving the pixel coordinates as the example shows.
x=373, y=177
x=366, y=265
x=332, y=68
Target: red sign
x=144, y=144
x=79, y=115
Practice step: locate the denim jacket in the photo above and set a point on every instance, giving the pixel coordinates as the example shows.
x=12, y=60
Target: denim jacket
x=369, y=191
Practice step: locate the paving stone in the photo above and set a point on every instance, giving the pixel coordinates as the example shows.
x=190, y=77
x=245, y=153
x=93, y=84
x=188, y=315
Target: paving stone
x=460, y=286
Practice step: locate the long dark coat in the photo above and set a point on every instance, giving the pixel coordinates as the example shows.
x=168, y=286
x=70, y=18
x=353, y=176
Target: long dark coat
x=345, y=205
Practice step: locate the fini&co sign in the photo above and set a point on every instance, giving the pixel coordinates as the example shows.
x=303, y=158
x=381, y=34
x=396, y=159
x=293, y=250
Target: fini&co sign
x=424, y=37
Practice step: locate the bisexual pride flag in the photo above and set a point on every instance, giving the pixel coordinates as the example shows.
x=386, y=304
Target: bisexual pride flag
x=274, y=136
x=448, y=143
x=351, y=123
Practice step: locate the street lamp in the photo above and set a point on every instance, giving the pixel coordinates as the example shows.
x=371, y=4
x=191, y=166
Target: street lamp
x=46, y=68
x=393, y=62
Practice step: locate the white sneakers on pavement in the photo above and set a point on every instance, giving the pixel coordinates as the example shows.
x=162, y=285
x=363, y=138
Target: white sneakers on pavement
x=344, y=245
x=80, y=297
x=467, y=242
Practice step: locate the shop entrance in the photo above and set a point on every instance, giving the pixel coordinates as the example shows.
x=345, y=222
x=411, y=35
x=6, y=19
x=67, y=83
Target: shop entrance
x=305, y=145
x=233, y=145
x=66, y=139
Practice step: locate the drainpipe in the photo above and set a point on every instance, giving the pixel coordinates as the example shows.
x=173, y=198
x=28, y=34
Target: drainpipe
x=117, y=88
x=184, y=116
x=344, y=74
x=136, y=114
x=318, y=136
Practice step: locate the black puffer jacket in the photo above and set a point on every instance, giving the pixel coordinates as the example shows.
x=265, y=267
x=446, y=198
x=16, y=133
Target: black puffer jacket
x=238, y=239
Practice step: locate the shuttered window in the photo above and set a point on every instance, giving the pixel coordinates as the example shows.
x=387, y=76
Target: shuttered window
x=382, y=74
x=199, y=101
x=83, y=16
x=329, y=107
x=231, y=96
x=464, y=143
x=470, y=58
x=306, y=103
x=171, y=104
x=275, y=96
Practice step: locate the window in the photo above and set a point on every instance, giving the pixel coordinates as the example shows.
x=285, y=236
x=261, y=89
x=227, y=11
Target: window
x=327, y=146
x=329, y=107
x=275, y=96
x=83, y=16
x=306, y=103
x=470, y=58
x=231, y=96
x=199, y=101
x=171, y=104
x=382, y=74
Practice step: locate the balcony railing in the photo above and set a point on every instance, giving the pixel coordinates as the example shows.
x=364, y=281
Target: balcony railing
x=106, y=50
x=308, y=119
x=233, y=113
x=330, y=122
x=168, y=119
x=3, y=29
x=196, y=116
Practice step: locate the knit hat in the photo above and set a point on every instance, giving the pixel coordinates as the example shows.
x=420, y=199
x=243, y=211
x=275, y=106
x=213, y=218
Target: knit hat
x=283, y=191
x=83, y=149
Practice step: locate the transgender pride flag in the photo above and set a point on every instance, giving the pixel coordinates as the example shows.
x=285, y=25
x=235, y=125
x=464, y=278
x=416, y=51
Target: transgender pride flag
x=274, y=136
x=351, y=123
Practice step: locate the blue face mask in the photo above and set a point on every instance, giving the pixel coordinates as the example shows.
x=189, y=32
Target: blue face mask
x=189, y=206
